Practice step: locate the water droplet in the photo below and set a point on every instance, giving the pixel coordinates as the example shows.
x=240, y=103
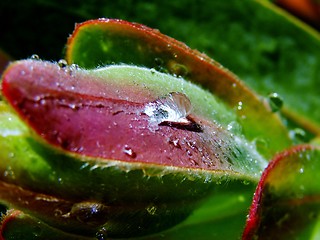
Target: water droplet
x=298, y=135
x=9, y=173
x=129, y=151
x=102, y=234
x=275, y=102
x=234, y=127
x=177, y=69
x=35, y=57
x=239, y=107
x=158, y=61
x=174, y=107
x=301, y=170
x=62, y=63
x=175, y=143
x=74, y=67
x=89, y=212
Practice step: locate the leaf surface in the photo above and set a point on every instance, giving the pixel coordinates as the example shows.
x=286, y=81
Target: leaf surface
x=106, y=41
x=286, y=202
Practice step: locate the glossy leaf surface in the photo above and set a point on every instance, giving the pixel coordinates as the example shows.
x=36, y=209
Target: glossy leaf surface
x=107, y=41
x=79, y=174
x=286, y=202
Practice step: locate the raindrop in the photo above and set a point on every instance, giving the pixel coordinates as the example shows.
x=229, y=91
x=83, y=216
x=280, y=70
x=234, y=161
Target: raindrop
x=62, y=63
x=174, y=107
x=102, y=234
x=275, y=102
x=177, y=69
x=239, y=107
x=175, y=143
x=35, y=57
x=298, y=135
x=129, y=151
x=158, y=61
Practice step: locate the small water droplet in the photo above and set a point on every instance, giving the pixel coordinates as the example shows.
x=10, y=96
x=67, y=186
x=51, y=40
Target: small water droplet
x=62, y=63
x=158, y=61
x=234, y=127
x=275, y=102
x=301, y=170
x=239, y=107
x=177, y=69
x=129, y=151
x=9, y=173
x=175, y=143
x=298, y=135
x=35, y=57
x=102, y=234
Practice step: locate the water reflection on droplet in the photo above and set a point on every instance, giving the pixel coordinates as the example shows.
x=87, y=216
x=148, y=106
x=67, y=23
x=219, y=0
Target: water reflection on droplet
x=35, y=57
x=298, y=135
x=129, y=151
x=62, y=63
x=239, y=107
x=177, y=69
x=275, y=102
x=174, y=107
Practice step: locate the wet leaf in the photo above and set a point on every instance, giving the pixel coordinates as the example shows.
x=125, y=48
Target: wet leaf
x=93, y=135
x=106, y=41
x=286, y=201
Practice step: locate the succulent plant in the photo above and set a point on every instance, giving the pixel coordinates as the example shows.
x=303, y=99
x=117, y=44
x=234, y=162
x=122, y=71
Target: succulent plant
x=136, y=135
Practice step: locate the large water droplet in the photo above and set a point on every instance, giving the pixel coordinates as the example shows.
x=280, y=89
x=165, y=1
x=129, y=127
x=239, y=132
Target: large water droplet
x=275, y=102
x=174, y=107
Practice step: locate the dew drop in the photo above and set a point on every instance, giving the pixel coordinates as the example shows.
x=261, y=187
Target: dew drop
x=174, y=107
x=275, y=102
x=239, y=107
x=129, y=151
x=62, y=63
x=177, y=69
x=298, y=135
x=175, y=143
x=35, y=57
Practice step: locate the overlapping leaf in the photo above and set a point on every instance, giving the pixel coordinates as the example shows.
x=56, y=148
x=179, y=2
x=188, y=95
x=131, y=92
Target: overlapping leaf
x=286, y=202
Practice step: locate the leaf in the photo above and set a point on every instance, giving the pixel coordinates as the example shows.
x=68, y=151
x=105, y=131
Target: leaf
x=17, y=225
x=282, y=59
x=116, y=41
x=286, y=202
x=119, y=183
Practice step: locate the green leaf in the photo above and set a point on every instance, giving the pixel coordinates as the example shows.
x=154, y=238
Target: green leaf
x=17, y=225
x=286, y=202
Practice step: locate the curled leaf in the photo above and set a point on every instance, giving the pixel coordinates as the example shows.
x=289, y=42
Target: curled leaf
x=286, y=201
